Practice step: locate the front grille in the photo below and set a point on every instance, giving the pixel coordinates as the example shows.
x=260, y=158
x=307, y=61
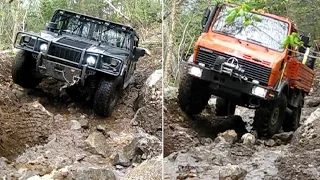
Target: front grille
x=253, y=71
x=63, y=52
x=74, y=43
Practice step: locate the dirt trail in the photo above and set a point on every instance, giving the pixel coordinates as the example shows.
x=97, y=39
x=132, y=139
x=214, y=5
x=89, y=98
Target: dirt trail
x=39, y=133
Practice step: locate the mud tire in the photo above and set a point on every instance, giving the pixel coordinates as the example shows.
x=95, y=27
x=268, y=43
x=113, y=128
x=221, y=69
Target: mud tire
x=194, y=94
x=292, y=121
x=269, y=117
x=224, y=107
x=24, y=70
x=106, y=97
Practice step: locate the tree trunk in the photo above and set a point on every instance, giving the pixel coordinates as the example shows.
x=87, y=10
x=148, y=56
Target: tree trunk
x=170, y=47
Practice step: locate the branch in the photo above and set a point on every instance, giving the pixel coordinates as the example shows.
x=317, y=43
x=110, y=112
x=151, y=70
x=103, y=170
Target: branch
x=117, y=10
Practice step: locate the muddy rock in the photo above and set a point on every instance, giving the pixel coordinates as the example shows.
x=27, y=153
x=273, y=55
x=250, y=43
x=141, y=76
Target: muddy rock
x=229, y=135
x=284, y=137
x=75, y=125
x=307, y=135
x=121, y=159
x=97, y=142
x=231, y=172
x=148, y=105
x=84, y=123
x=148, y=170
x=142, y=147
x=312, y=101
x=314, y=116
x=248, y=139
x=101, y=128
x=270, y=142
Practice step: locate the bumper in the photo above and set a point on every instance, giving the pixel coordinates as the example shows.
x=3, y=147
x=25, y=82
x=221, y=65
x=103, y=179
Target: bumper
x=68, y=74
x=229, y=86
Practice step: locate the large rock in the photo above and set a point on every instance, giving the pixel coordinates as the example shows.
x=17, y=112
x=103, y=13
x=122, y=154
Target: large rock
x=148, y=170
x=142, y=147
x=231, y=172
x=307, y=136
x=98, y=144
x=230, y=136
x=149, y=105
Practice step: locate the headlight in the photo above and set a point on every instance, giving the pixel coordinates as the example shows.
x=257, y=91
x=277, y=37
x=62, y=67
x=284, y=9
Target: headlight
x=259, y=91
x=26, y=39
x=195, y=71
x=91, y=60
x=43, y=47
x=114, y=62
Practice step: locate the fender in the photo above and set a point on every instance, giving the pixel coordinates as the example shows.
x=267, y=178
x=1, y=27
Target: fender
x=283, y=87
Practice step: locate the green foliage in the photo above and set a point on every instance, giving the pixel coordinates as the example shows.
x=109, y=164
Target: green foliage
x=32, y=15
x=292, y=40
x=242, y=12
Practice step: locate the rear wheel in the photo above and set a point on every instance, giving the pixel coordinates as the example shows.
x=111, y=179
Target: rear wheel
x=106, y=97
x=224, y=107
x=193, y=94
x=24, y=70
x=269, y=117
x=292, y=121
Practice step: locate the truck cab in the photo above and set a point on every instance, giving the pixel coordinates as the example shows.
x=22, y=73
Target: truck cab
x=246, y=65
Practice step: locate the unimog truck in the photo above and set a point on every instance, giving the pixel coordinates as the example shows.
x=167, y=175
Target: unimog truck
x=94, y=57
x=248, y=66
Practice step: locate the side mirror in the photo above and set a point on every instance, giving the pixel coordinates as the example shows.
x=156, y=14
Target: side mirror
x=208, y=17
x=305, y=40
x=140, y=52
x=51, y=26
x=205, y=17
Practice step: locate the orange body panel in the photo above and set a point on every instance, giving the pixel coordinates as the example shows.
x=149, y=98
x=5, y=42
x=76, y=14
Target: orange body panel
x=300, y=75
x=273, y=59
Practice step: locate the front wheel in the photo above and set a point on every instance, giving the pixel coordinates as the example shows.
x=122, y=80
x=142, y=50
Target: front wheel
x=24, y=70
x=269, y=117
x=106, y=97
x=194, y=94
x=224, y=107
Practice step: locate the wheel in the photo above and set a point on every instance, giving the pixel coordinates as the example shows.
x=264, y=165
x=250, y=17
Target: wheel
x=106, y=97
x=24, y=70
x=292, y=121
x=224, y=107
x=269, y=117
x=193, y=94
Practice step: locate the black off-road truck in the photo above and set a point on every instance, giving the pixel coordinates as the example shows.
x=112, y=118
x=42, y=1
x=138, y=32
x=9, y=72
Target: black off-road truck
x=95, y=58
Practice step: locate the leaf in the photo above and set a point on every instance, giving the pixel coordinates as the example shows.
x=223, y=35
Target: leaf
x=246, y=8
x=256, y=18
x=231, y=17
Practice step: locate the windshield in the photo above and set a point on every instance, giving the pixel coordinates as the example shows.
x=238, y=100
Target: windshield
x=92, y=29
x=269, y=32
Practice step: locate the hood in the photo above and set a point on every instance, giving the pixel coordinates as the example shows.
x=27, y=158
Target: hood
x=241, y=49
x=83, y=43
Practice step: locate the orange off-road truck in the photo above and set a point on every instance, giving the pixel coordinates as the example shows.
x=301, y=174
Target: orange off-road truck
x=248, y=66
